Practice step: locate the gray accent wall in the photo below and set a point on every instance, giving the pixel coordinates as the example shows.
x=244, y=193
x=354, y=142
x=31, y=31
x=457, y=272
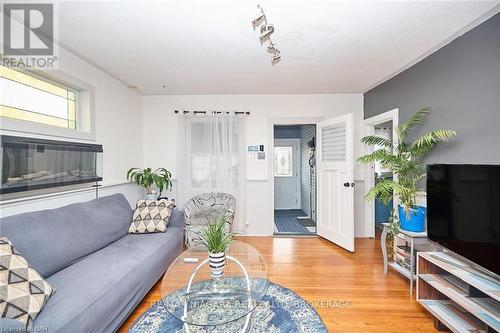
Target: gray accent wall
x=461, y=83
x=308, y=189
x=287, y=131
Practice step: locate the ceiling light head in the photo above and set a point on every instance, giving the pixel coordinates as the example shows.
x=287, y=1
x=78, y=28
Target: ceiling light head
x=259, y=19
x=265, y=33
x=275, y=59
x=271, y=48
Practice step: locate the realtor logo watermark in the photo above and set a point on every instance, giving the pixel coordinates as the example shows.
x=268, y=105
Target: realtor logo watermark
x=28, y=35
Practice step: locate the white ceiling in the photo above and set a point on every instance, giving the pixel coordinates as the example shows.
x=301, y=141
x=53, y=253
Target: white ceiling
x=209, y=47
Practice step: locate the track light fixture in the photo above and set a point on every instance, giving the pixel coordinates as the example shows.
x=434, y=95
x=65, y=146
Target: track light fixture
x=266, y=30
x=275, y=59
x=271, y=48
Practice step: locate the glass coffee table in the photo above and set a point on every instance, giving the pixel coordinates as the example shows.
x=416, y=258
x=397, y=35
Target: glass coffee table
x=192, y=295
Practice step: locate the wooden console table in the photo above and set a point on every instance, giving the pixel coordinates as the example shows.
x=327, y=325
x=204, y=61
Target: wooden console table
x=412, y=238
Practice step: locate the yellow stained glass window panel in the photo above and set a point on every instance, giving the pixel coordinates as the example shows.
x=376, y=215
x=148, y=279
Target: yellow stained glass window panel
x=71, y=95
x=13, y=113
x=30, y=98
x=32, y=81
x=71, y=110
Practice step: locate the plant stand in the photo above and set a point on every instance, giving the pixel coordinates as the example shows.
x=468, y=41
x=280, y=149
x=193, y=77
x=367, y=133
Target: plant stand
x=410, y=239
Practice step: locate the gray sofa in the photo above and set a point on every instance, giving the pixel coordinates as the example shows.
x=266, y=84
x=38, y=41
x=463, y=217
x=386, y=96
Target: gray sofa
x=99, y=271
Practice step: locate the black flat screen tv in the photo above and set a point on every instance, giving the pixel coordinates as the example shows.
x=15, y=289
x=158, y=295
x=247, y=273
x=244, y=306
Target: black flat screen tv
x=463, y=211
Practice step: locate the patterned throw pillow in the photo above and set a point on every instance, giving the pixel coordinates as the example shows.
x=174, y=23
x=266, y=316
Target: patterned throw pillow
x=151, y=216
x=23, y=292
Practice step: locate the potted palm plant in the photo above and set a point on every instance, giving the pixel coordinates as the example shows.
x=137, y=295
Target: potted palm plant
x=404, y=159
x=216, y=240
x=160, y=177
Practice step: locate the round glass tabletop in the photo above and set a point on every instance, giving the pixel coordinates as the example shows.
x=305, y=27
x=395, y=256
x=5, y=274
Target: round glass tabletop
x=210, y=301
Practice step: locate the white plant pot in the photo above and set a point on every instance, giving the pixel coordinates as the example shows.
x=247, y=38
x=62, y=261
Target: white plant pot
x=217, y=262
x=151, y=196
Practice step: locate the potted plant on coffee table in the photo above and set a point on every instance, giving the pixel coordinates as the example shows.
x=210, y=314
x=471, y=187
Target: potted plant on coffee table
x=160, y=177
x=216, y=239
x=404, y=159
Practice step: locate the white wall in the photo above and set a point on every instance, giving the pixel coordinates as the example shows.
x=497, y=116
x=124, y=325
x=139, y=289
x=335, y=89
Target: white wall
x=161, y=132
x=118, y=117
x=49, y=201
x=118, y=127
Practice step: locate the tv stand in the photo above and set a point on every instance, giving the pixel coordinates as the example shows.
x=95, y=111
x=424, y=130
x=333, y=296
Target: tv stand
x=475, y=269
x=457, y=293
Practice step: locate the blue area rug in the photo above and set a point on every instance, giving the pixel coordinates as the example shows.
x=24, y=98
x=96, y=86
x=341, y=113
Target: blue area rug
x=286, y=221
x=281, y=311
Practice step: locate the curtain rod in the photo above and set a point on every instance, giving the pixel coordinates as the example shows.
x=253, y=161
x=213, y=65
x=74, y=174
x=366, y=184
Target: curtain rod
x=214, y=112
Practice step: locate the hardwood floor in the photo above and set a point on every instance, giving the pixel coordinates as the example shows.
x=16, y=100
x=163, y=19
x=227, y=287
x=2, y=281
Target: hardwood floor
x=350, y=290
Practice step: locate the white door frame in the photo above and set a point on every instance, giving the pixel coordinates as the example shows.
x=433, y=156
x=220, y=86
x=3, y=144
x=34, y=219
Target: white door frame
x=270, y=139
x=368, y=129
x=297, y=169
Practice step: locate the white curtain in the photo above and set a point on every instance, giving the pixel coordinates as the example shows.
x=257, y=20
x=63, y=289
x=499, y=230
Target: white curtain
x=214, y=158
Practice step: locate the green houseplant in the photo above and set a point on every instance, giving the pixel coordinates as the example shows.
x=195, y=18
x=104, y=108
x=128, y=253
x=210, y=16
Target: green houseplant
x=404, y=159
x=216, y=240
x=161, y=178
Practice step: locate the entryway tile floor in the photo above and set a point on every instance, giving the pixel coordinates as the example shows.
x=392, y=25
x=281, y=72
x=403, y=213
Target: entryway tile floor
x=286, y=222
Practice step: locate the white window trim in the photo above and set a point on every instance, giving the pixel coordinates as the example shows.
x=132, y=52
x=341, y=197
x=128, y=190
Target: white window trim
x=85, y=112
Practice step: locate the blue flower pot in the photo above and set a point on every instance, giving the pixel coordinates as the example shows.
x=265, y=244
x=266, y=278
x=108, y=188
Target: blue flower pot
x=415, y=222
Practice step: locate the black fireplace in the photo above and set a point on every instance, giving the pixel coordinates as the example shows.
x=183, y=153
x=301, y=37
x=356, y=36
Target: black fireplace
x=30, y=164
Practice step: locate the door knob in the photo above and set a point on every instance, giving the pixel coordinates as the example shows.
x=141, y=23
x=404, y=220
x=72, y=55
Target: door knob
x=347, y=184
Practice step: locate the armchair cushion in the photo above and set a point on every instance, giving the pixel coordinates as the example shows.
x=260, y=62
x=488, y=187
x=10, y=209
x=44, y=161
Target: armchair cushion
x=203, y=209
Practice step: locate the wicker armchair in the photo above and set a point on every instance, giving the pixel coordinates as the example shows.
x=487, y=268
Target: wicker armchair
x=206, y=207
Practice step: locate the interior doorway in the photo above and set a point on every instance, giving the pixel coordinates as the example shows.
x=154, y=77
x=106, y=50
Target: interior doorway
x=376, y=212
x=294, y=179
x=382, y=210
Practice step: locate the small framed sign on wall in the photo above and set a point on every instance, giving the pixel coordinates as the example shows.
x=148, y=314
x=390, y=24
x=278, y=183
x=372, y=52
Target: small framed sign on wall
x=256, y=162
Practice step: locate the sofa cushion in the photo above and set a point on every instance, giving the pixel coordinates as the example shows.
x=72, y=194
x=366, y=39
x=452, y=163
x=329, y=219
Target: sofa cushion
x=97, y=293
x=53, y=239
x=151, y=216
x=177, y=219
x=11, y=325
x=23, y=292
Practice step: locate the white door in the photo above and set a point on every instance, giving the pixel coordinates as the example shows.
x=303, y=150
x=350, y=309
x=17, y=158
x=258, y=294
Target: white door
x=336, y=181
x=287, y=174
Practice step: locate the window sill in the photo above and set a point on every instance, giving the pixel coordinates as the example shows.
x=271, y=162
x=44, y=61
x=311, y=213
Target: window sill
x=23, y=128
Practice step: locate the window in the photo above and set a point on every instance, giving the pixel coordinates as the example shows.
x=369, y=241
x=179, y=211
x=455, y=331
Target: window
x=29, y=98
x=283, y=161
x=333, y=143
x=215, y=153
